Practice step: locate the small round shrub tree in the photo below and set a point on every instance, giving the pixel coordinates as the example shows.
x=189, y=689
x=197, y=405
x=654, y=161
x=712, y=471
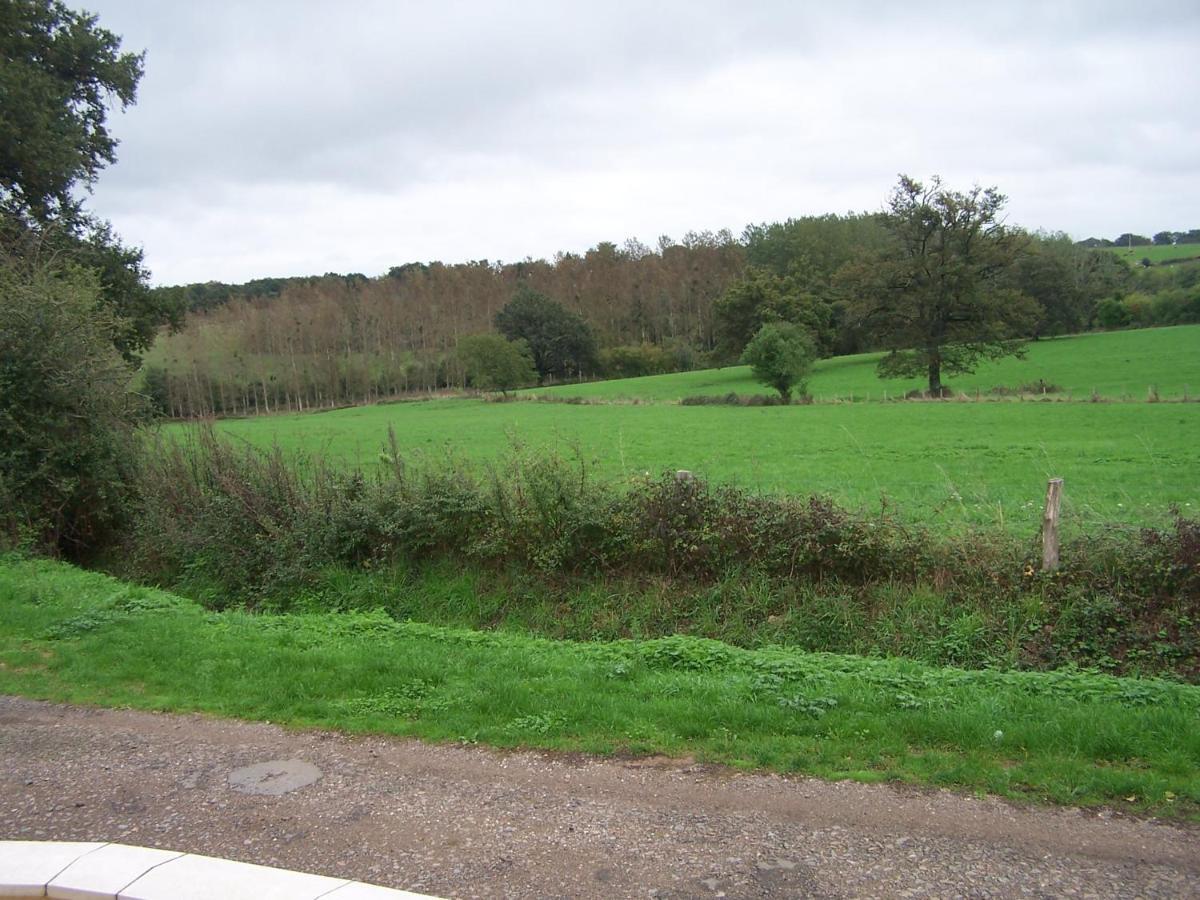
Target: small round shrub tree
x=781, y=356
x=492, y=363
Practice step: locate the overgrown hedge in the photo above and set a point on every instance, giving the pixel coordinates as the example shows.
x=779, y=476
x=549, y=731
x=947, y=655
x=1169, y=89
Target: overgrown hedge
x=261, y=524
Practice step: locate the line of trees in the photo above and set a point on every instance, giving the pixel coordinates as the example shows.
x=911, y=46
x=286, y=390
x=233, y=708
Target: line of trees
x=336, y=339
x=1160, y=239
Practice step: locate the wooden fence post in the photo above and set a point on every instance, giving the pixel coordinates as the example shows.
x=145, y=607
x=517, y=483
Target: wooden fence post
x=1050, y=524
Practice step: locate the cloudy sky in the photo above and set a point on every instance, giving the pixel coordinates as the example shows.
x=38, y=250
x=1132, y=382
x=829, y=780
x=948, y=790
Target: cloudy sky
x=297, y=138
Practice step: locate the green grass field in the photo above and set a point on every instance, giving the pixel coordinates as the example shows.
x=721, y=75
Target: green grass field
x=1156, y=254
x=956, y=462
x=948, y=462
x=1068, y=737
x=1113, y=364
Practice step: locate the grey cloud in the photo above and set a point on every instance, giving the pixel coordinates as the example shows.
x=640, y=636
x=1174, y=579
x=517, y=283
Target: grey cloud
x=505, y=130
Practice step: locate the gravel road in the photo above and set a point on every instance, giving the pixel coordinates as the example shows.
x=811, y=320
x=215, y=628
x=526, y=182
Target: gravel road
x=469, y=822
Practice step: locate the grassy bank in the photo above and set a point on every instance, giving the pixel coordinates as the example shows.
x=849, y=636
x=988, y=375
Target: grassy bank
x=554, y=551
x=1018, y=630
x=1075, y=738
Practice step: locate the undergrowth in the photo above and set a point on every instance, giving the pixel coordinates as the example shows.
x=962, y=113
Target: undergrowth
x=556, y=551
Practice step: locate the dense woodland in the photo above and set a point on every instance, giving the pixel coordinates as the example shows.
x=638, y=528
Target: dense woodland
x=312, y=342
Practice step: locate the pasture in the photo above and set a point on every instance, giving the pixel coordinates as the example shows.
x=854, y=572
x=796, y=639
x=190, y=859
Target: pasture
x=1157, y=253
x=1115, y=365
x=983, y=463
x=958, y=462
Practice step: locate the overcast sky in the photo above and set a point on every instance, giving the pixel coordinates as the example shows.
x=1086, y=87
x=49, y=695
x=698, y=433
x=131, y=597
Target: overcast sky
x=299, y=138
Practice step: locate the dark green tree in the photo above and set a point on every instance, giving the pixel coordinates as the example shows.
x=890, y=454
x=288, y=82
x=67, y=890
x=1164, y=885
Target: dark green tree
x=60, y=72
x=1112, y=313
x=780, y=355
x=1066, y=279
x=560, y=342
x=939, y=297
x=494, y=363
x=1132, y=240
x=759, y=297
x=67, y=443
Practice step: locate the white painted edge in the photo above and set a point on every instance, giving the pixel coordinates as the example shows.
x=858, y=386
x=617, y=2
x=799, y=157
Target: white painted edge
x=60, y=869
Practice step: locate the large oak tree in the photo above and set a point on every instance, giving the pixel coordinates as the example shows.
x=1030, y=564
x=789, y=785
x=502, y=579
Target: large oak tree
x=937, y=297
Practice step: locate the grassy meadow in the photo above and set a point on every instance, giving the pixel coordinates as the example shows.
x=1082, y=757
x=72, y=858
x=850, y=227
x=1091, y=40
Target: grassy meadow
x=1115, y=365
x=957, y=462
x=1157, y=254
x=1068, y=737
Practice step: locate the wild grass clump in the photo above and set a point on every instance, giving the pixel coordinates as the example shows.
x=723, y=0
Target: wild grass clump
x=1041, y=387
x=734, y=399
x=666, y=554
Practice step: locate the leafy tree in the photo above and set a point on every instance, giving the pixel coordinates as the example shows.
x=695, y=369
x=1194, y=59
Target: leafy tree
x=560, y=342
x=1191, y=236
x=781, y=356
x=938, y=297
x=761, y=297
x=637, y=360
x=493, y=363
x=67, y=447
x=74, y=306
x=59, y=74
x=59, y=71
x=1131, y=240
x=1066, y=279
x=1164, y=238
x=1112, y=313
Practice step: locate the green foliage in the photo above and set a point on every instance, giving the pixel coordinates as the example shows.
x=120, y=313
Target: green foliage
x=761, y=298
x=781, y=356
x=813, y=247
x=1131, y=240
x=59, y=72
x=560, y=342
x=492, y=363
x=638, y=361
x=1156, y=296
x=1065, y=280
x=67, y=450
x=936, y=298
x=1112, y=313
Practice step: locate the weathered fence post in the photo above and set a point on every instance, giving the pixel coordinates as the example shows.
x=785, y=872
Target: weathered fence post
x=1050, y=525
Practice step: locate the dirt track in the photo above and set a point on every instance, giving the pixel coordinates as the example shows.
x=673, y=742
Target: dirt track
x=468, y=822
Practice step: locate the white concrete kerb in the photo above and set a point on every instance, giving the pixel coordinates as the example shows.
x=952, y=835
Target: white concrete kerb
x=77, y=870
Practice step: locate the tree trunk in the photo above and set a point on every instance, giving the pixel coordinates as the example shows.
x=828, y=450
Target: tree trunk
x=935, y=376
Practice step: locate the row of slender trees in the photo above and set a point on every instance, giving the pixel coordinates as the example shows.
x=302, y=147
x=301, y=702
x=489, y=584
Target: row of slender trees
x=331, y=340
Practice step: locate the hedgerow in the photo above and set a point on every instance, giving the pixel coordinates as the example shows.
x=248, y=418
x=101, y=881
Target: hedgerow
x=261, y=525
